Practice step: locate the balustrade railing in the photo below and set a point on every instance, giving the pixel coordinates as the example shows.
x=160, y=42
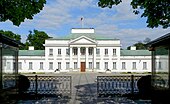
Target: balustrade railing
x=50, y=85
x=45, y=85
x=117, y=85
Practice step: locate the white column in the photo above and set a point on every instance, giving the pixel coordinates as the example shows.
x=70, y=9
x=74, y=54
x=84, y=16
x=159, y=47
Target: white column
x=87, y=62
x=94, y=58
x=110, y=53
x=71, y=59
x=78, y=58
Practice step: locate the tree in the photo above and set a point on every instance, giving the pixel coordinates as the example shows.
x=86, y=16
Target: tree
x=12, y=35
x=147, y=40
x=141, y=45
x=156, y=11
x=19, y=10
x=37, y=39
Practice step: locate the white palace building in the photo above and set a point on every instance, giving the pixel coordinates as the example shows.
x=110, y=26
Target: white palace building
x=83, y=51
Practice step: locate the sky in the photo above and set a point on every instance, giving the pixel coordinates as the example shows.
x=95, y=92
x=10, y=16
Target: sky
x=59, y=16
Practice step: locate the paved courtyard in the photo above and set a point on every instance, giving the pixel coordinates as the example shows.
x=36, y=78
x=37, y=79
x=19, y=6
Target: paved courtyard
x=84, y=91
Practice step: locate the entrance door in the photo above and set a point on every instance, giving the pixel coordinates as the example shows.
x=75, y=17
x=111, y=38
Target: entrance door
x=83, y=66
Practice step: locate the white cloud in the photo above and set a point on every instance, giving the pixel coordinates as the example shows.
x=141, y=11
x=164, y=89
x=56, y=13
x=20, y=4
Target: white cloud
x=130, y=36
x=57, y=15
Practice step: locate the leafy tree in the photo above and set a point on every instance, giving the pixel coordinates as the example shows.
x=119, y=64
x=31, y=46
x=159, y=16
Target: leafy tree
x=12, y=35
x=147, y=40
x=141, y=45
x=156, y=11
x=19, y=10
x=37, y=39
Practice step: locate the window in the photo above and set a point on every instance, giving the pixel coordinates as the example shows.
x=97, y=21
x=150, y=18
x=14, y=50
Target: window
x=98, y=51
x=68, y=51
x=134, y=65
x=41, y=65
x=123, y=65
x=144, y=65
x=14, y=65
x=97, y=65
x=90, y=65
x=75, y=65
x=30, y=65
x=106, y=65
x=19, y=65
x=50, y=52
x=74, y=51
x=106, y=52
x=8, y=65
x=59, y=65
x=114, y=65
x=83, y=51
x=50, y=65
x=159, y=65
x=67, y=65
x=59, y=51
x=90, y=51
x=114, y=52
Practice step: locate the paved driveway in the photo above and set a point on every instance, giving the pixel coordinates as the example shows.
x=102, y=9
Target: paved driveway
x=84, y=91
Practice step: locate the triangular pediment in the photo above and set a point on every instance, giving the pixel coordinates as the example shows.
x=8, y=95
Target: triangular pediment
x=83, y=40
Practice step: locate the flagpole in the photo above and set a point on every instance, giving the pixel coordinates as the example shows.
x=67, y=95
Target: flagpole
x=82, y=24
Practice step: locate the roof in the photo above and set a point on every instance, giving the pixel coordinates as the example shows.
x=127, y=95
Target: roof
x=122, y=53
x=135, y=53
x=6, y=40
x=31, y=52
x=163, y=40
x=89, y=35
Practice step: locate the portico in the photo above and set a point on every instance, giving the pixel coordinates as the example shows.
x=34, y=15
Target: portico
x=82, y=54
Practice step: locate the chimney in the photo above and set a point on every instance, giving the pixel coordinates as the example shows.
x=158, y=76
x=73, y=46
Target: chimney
x=31, y=48
x=133, y=48
x=82, y=30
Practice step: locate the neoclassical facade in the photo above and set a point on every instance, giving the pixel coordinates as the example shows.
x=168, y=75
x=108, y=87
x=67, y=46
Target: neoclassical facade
x=83, y=51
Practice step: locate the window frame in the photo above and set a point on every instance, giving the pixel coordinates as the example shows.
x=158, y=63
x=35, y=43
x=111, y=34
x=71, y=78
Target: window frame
x=106, y=52
x=30, y=66
x=50, y=52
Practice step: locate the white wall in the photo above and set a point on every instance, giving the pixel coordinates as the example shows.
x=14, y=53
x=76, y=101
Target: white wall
x=102, y=58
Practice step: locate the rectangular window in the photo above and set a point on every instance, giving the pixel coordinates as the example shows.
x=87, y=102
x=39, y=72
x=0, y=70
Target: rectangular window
x=98, y=51
x=20, y=65
x=67, y=65
x=50, y=52
x=59, y=51
x=106, y=65
x=30, y=65
x=59, y=65
x=90, y=65
x=51, y=65
x=134, y=65
x=75, y=65
x=90, y=51
x=14, y=65
x=106, y=52
x=114, y=52
x=8, y=65
x=68, y=51
x=74, y=51
x=159, y=65
x=41, y=65
x=97, y=65
x=114, y=65
x=144, y=65
x=123, y=65
x=83, y=51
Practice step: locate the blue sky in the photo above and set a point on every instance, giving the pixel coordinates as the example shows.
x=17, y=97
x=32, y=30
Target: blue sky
x=59, y=16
